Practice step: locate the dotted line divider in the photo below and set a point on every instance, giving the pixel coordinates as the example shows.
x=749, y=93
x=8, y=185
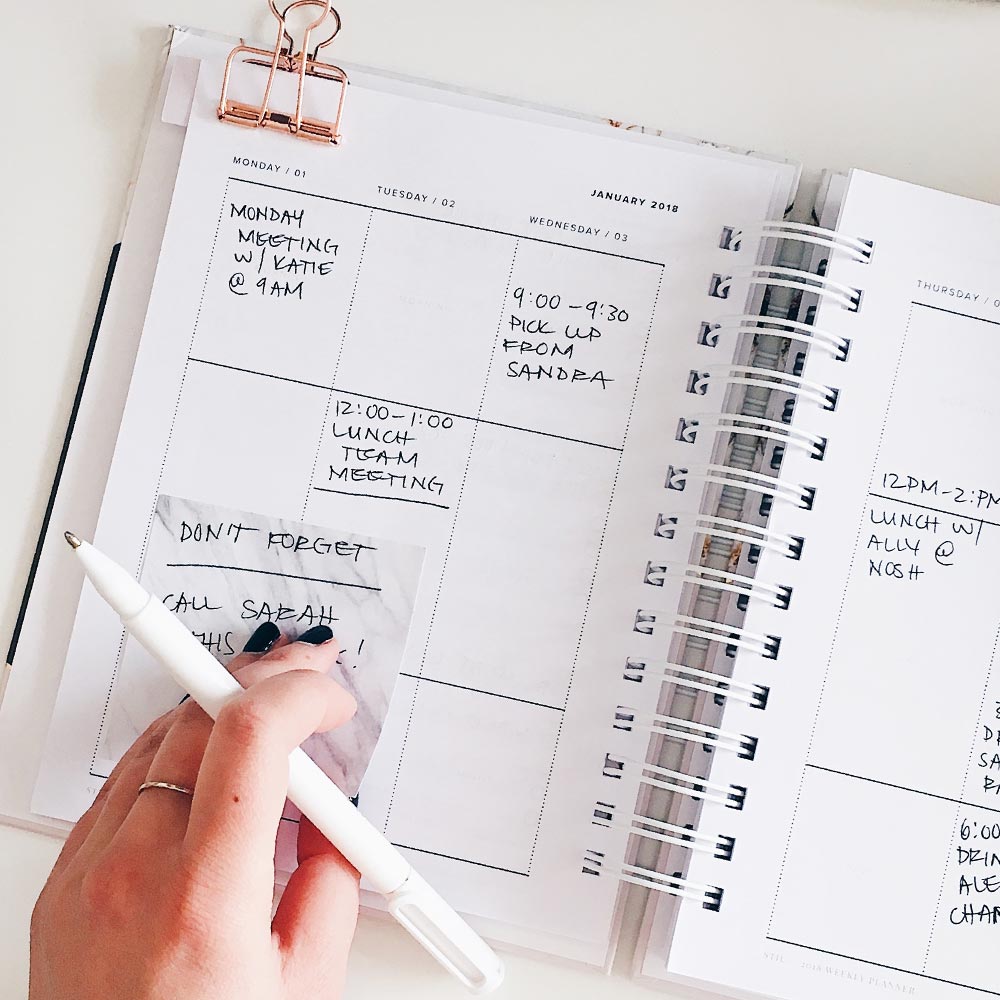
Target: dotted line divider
x=451, y=536
x=593, y=579
x=836, y=627
x=336, y=366
x=163, y=463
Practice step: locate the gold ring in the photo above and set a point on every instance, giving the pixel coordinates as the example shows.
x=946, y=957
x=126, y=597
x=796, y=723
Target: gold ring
x=183, y=789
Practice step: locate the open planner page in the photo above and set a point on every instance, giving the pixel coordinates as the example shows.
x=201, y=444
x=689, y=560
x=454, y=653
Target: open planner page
x=456, y=330
x=867, y=860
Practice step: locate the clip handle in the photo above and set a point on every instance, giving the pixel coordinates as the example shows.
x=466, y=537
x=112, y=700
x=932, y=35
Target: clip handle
x=287, y=60
x=445, y=935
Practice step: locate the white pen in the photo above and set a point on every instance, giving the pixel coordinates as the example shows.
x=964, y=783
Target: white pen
x=410, y=899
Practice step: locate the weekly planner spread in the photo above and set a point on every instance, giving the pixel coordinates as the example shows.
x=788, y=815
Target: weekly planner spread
x=456, y=333
x=657, y=536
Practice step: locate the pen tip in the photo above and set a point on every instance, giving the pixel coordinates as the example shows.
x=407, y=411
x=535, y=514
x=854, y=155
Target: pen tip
x=73, y=541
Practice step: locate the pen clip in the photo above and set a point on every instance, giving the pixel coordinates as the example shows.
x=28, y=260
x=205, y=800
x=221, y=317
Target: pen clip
x=445, y=934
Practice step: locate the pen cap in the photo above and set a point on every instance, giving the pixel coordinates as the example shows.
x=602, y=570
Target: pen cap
x=445, y=935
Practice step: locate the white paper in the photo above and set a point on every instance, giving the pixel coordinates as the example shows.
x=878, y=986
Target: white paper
x=376, y=351
x=866, y=860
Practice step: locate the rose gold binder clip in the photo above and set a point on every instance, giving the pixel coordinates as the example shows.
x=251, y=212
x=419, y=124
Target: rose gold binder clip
x=302, y=63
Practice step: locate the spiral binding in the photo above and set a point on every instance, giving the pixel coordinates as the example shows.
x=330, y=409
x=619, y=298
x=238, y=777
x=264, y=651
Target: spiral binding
x=857, y=250
x=826, y=396
x=766, y=396
x=711, y=737
x=838, y=347
x=667, y=779
x=741, y=532
x=789, y=277
x=772, y=430
x=726, y=475
x=720, y=847
x=710, y=896
x=719, y=686
x=732, y=637
x=706, y=576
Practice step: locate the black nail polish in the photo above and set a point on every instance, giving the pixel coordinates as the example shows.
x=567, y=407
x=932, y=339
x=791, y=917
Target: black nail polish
x=317, y=635
x=263, y=638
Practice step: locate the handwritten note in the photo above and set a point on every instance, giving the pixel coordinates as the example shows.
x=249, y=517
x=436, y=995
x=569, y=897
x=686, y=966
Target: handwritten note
x=224, y=572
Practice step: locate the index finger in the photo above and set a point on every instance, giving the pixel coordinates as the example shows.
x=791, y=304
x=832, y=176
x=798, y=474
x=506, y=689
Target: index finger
x=241, y=787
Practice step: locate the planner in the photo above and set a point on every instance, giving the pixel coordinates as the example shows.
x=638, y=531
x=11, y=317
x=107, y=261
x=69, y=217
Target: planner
x=655, y=525
x=865, y=860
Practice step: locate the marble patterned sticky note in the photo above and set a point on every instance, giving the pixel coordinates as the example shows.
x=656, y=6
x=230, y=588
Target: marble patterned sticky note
x=224, y=572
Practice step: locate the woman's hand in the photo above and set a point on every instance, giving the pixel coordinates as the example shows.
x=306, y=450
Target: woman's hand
x=167, y=896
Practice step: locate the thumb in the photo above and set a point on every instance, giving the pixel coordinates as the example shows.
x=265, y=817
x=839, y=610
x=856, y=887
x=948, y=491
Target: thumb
x=317, y=915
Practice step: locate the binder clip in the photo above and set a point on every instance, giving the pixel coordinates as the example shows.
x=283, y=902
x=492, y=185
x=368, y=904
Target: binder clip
x=282, y=58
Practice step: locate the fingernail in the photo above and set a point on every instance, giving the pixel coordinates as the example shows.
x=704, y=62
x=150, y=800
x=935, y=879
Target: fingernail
x=317, y=635
x=263, y=638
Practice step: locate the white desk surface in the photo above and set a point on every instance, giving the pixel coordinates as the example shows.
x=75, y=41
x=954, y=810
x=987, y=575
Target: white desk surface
x=903, y=87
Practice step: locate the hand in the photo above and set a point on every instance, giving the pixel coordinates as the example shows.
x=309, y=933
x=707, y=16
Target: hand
x=165, y=896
